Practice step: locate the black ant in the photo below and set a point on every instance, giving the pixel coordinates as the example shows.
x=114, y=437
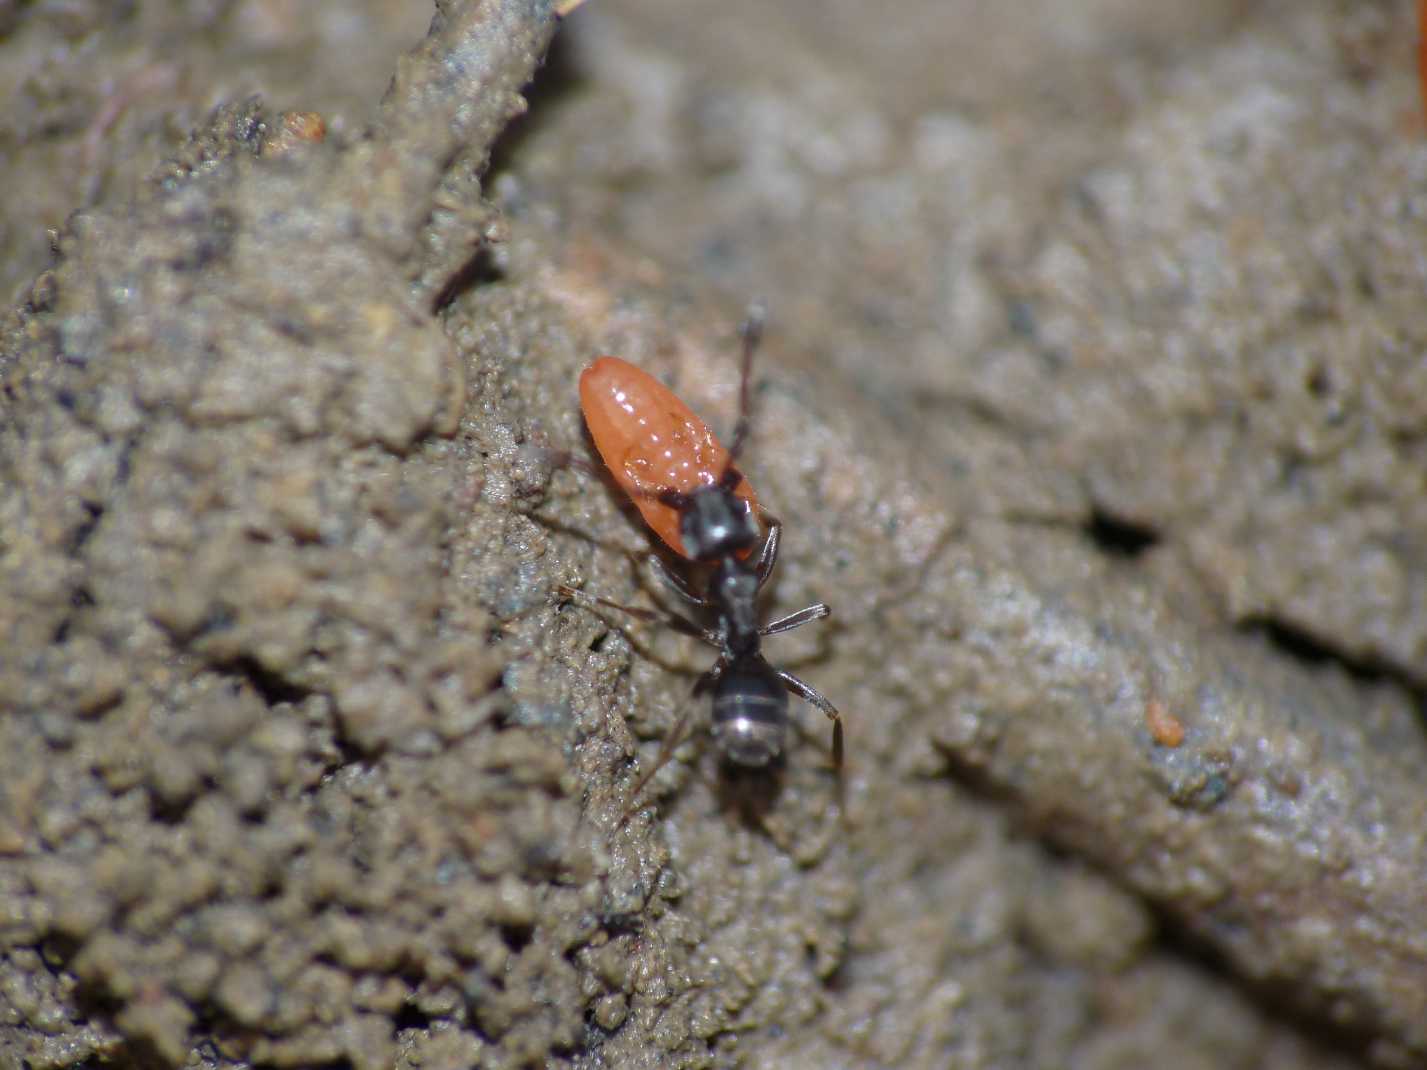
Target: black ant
x=640, y=424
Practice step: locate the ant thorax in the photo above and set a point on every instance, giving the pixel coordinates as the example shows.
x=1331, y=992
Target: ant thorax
x=733, y=592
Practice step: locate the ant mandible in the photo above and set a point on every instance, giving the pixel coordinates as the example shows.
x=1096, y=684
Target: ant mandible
x=691, y=493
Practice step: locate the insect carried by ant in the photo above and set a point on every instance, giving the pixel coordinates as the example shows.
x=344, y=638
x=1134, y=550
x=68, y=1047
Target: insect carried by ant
x=693, y=496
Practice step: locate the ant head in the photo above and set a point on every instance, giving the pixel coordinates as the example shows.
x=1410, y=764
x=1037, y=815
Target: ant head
x=714, y=523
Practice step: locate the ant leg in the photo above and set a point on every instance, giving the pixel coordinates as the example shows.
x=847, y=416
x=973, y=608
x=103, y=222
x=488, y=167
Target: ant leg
x=674, y=620
x=666, y=752
x=816, y=611
x=812, y=695
x=677, y=583
x=589, y=601
x=752, y=332
x=768, y=556
x=671, y=741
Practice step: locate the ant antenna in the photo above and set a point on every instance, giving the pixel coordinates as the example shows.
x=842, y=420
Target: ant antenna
x=751, y=331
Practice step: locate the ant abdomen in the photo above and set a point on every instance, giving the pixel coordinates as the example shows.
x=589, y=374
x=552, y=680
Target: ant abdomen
x=750, y=712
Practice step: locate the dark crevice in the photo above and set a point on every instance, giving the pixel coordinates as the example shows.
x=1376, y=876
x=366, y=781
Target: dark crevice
x=622, y=923
x=271, y=686
x=171, y=812
x=349, y=755
x=57, y=951
x=1281, y=1001
x=85, y=528
x=124, y=467
x=1319, y=383
x=558, y=79
x=1118, y=537
x=137, y=1053
x=410, y=1016
x=479, y=270
x=80, y=599
x=517, y=937
x=1303, y=646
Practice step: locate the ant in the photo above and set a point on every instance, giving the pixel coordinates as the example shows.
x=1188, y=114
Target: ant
x=691, y=493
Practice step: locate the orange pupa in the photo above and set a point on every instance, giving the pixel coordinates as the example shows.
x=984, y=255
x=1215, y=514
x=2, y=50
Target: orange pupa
x=652, y=442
